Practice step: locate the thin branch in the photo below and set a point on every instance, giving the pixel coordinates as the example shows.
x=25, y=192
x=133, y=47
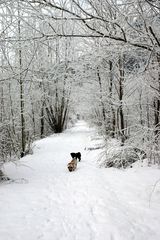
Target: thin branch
x=153, y=34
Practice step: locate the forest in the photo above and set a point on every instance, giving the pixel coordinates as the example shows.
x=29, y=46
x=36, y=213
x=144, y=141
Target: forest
x=93, y=58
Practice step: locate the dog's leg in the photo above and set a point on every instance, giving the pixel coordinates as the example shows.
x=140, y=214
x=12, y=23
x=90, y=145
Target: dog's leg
x=78, y=155
x=75, y=163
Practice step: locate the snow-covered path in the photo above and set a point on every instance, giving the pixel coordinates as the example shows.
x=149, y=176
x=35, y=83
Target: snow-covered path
x=88, y=204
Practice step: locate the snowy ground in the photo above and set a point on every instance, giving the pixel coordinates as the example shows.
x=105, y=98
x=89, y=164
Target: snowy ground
x=89, y=204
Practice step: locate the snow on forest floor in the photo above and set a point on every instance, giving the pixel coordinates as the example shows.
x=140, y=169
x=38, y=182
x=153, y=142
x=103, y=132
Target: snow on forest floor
x=89, y=204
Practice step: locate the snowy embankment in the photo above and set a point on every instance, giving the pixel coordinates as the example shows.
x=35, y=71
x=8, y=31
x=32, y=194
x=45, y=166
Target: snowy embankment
x=89, y=204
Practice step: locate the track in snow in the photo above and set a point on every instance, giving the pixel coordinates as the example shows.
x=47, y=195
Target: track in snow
x=88, y=204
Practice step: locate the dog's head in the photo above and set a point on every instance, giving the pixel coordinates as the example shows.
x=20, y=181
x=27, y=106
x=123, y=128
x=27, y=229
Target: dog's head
x=76, y=155
x=73, y=155
x=70, y=168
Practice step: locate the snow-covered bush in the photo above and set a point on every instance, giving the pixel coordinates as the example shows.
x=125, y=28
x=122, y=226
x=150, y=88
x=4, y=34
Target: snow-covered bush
x=120, y=156
x=5, y=145
x=3, y=177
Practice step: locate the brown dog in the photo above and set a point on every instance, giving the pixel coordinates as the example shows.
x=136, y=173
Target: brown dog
x=72, y=165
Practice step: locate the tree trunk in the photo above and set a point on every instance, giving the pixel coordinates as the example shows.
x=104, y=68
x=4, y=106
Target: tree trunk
x=113, y=118
x=42, y=119
x=23, y=138
x=157, y=106
x=101, y=97
x=121, y=83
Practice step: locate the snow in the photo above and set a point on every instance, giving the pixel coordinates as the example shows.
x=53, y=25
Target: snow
x=91, y=203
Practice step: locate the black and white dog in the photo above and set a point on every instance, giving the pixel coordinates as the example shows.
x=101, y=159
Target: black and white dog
x=72, y=165
x=76, y=155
